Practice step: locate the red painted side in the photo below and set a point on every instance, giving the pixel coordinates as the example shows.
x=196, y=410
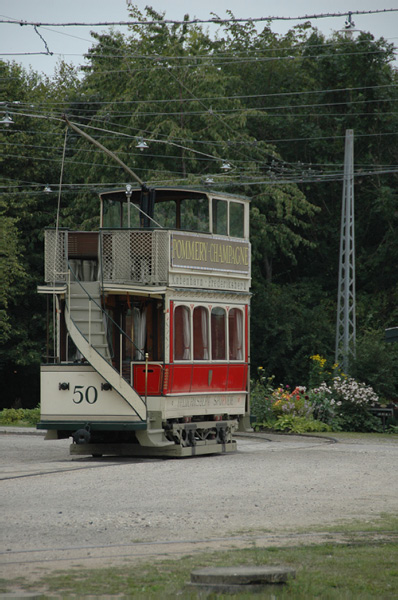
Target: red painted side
x=180, y=378
x=207, y=378
x=237, y=376
x=194, y=377
x=154, y=381
x=190, y=378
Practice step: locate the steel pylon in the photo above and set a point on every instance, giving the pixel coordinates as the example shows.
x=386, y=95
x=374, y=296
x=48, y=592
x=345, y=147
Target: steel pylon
x=346, y=320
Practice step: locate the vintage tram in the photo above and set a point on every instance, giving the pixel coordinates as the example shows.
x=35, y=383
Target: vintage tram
x=150, y=320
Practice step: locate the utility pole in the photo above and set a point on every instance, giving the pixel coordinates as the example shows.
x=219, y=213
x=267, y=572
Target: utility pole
x=346, y=326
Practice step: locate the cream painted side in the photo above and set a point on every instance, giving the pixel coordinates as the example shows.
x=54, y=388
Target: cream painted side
x=174, y=407
x=84, y=399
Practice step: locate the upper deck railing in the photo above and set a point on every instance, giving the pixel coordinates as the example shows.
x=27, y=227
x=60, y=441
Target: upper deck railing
x=149, y=258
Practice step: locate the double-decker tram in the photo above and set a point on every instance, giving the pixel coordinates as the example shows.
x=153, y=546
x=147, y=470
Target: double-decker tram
x=150, y=319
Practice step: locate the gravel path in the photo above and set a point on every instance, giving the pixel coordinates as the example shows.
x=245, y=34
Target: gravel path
x=58, y=511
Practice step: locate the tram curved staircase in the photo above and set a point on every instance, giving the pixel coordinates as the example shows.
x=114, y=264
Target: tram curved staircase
x=84, y=320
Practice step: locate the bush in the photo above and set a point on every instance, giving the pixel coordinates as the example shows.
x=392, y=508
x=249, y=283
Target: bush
x=20, y=416
x=376, y=363
x=260, y=397
x=336, y=403
x=345, y=405
x=297, y=424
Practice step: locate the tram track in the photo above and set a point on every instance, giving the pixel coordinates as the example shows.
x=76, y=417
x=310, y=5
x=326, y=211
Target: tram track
x=83, y=468
x=105, y=462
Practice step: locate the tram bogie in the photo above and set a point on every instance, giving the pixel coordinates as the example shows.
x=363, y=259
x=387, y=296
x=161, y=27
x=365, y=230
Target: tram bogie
x=151, y=325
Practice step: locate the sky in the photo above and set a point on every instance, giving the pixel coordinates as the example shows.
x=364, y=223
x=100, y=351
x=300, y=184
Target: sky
x=70, y=43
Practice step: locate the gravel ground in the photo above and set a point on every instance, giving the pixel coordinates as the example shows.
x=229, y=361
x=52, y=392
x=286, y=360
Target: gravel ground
x=58, y=511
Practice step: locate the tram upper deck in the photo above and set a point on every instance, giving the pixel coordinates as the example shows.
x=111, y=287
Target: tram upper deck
x=159, y=237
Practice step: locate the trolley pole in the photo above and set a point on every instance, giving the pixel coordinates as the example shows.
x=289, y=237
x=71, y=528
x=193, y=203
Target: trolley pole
x=346, y=320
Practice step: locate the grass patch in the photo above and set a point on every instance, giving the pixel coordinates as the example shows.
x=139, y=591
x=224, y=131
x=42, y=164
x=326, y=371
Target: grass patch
x=364, y=566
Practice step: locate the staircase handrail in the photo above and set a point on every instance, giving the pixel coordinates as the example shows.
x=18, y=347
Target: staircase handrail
x=110, y=365
x=106, y=315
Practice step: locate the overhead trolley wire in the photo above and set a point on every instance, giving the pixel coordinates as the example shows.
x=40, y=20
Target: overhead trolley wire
x=215, y=19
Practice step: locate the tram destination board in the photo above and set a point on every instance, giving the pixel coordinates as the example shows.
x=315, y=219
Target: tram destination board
x=206, y=253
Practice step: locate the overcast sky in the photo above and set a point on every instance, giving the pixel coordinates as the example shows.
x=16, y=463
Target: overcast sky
x=70, y=43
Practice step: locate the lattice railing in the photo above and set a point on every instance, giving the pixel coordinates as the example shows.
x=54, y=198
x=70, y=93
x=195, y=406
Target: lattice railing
x=55, y=255
x=135, y=256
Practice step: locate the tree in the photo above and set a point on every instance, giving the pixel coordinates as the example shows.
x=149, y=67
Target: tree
x=25, y=210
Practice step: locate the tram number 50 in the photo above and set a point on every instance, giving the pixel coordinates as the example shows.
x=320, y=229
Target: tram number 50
x=89, y=394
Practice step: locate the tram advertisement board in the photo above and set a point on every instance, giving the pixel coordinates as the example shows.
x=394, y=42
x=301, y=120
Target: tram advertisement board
x=210, y=253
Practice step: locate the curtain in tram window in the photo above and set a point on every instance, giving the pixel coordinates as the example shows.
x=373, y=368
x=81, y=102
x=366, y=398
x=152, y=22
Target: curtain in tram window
x=139, y=332
x=205, y=334
x=182, y=333
x=186, y=334
x=218, y=334
x=200, y=333
x=235, y=320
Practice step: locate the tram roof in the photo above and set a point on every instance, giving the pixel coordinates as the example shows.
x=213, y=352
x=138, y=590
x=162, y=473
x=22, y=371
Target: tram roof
x=167, y=193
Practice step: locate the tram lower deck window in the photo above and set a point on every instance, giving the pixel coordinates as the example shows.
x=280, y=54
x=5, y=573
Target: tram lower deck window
x=235, y=333
x=197, y=338
x=182, y=333
x=218, y=334
x=200, y=333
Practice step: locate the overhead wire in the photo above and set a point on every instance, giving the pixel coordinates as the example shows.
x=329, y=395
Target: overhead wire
x=218, y=114
x=186, y=21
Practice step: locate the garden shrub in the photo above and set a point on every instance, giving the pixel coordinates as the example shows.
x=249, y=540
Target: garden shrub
x=336, y=403
x=16, y=416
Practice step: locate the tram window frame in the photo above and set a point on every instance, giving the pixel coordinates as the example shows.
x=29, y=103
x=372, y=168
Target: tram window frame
x=237, y=355
x=166, y=212
x=220, y=216
x=212, y=355
x=186, y=348
x=236, y=221
x=200, y=326
x=219, y=344
x=223, y=223
x=111, y=213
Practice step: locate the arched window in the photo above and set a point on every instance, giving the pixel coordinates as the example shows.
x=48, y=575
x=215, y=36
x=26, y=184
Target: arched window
x=200, y=333
x=218, y=323
x=182, y=333
x=235, y=327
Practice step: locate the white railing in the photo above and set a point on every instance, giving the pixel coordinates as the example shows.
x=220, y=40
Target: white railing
x=135, y=256
x=55, y=255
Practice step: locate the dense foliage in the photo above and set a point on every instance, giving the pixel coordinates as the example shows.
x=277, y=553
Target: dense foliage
x=276, y=108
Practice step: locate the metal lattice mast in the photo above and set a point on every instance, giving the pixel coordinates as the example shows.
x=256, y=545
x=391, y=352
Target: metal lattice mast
x=346, y=328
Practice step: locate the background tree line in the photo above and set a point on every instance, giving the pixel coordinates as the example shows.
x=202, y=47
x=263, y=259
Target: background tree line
x=275, y=108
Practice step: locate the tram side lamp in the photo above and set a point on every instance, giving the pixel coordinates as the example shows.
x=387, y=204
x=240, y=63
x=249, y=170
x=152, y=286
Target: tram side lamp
x=63, y=386
x=106, y=387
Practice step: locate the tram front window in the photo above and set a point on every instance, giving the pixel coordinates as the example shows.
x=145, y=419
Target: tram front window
x=220, y=217
x=165, y=213
x=236, y=219
x=111, y=213
x=195, y=214
x=131, y=215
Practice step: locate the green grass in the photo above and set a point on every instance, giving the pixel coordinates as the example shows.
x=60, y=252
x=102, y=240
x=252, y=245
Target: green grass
x=363, y=566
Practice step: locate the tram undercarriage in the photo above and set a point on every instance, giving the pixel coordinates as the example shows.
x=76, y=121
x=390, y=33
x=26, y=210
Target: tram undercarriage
x=174, y=440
